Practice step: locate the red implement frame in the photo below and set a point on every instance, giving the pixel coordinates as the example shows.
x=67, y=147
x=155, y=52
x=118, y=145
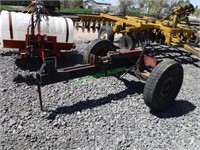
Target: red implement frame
x=49, y=74
x=42, y=45
x=37, y=45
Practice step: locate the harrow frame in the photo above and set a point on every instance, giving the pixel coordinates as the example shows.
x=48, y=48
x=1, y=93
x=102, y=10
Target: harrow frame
x=145, y=29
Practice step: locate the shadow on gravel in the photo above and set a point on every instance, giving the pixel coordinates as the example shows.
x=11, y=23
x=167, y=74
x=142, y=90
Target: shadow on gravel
x=31, y=65
x=177, y=54
x=132, y=87
x=180, y=108
x=9, y=53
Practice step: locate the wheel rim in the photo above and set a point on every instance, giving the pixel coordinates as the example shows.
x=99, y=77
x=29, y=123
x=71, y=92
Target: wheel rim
x=125, y=42
x=167, y=87
x=104, y=35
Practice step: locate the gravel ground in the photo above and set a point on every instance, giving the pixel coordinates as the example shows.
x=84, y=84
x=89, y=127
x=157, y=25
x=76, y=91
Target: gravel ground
x=104, y=113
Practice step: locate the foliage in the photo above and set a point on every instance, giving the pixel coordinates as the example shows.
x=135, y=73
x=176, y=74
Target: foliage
x=137, y=14
x=74, y=3
x=197, y=12
x=48, y=4
x=155, y=6
x=75, y=10
x=66, y=10
x=8, y=8
x=123, y=5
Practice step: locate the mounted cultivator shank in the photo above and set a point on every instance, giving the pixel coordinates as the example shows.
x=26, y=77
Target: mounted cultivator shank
x=139, y=31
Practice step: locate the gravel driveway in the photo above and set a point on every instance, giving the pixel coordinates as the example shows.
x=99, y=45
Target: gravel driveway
x=97, y=114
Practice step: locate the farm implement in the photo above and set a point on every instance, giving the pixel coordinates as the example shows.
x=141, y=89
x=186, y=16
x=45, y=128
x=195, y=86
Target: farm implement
x=163, y=78
x=40, y=35
x=139, y=31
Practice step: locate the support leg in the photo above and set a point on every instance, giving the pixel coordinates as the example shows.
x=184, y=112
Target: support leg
x=40, y=96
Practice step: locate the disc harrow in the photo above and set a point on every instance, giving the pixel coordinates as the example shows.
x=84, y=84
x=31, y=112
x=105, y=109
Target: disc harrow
x=137, y=32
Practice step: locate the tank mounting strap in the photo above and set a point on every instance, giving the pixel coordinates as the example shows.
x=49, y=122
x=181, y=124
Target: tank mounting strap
x=67, y=28
x=10, y=25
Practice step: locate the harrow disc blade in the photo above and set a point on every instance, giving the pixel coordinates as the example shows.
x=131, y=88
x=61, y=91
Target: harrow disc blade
x=77, y=25
x=98, y=26
x=141, y=38
x=146, y=34
x=152, y=36
x=82, y=26
x=125, y=42
x=87, y=26
x=135, y=39
x=93, y=26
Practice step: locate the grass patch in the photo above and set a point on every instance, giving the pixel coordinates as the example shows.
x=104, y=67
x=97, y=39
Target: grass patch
x=8, y=8
x=137, y=14
x=75, y=10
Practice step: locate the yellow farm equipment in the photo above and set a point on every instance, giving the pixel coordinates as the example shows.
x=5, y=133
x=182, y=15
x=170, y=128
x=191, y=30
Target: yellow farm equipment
x=139, y=31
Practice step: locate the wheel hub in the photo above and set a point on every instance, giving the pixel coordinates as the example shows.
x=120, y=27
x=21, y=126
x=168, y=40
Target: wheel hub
x=104, y=35
x=167, y=87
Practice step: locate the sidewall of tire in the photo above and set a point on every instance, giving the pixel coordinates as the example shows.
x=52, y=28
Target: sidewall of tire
x=95, y=46
x=155, y=81
x=109, y=32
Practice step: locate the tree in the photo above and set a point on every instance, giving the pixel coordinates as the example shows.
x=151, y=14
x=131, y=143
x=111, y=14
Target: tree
x=157, y=7
x=187, y=1
x=141, y=5
x=197, y=11
x=150, y=4
x=154, y=7
x=74, y=3
x=123, y=5
x=172, y=4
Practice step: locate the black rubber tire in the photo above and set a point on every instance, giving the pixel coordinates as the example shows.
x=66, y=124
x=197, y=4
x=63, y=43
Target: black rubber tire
x=197, y=41
x=163, y=85
x=98, y=47
x=125, y=42
x=106, y=32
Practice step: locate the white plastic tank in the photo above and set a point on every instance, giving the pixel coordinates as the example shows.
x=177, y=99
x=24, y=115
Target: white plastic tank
x=63, y=28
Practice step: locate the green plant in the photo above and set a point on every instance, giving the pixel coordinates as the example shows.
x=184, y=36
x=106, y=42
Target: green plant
x=75, y=10
x=8, y=8
x=137, y=14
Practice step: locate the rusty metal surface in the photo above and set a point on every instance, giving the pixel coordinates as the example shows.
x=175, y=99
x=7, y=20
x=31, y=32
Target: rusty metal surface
x=37, y=45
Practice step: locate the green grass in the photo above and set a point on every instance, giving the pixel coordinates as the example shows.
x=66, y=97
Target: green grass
x=65, y=10
x=137, y=14
x=75, y=10
x=8, y=8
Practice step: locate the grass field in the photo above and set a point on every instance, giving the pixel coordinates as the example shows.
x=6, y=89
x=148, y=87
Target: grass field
x=64, y=10
x=8, y=8
x=75, y=10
